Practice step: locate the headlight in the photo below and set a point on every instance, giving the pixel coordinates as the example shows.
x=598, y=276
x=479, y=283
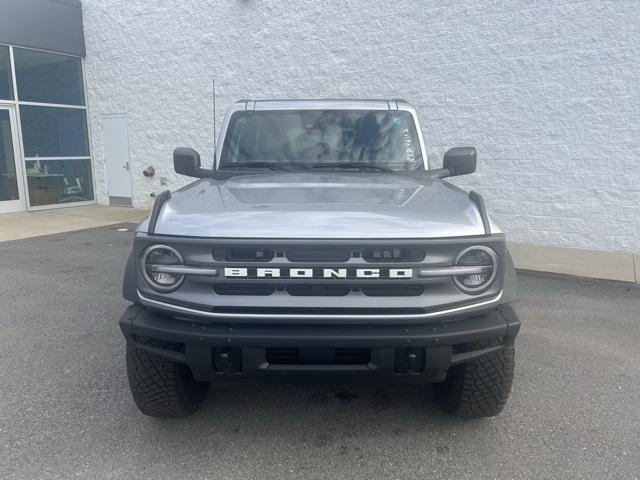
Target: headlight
x=156, y=263
x=478, y=256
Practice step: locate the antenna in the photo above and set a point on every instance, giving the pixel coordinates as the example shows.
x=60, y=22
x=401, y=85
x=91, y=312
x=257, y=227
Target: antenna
x=215, y=143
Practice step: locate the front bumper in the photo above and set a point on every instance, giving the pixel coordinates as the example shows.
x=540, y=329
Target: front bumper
x=381, y=353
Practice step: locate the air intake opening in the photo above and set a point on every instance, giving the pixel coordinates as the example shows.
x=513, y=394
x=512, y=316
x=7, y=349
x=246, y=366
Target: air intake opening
x=318, y=254
x=244, y=254
x=393, y=254
x=393, y=290
x=318, y=290
x=244, y=289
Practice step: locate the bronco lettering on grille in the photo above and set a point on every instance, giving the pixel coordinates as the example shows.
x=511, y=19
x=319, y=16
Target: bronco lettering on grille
x=325, y=273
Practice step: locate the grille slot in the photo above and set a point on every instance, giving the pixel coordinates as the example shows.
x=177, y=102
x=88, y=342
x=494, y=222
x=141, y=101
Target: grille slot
x=393, y=254
x=318, y=254
x=244, y=254
x=393, y=290
x=314, y=290
x=244, y=289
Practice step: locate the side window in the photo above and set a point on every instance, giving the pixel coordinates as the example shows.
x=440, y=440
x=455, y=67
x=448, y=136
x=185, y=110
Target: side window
x=239, y=143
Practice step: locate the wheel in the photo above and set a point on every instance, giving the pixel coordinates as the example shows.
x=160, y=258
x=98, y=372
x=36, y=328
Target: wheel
x=162, y=388
x=481, y=387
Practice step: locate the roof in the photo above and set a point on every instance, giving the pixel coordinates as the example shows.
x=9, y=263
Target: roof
x=320, y=104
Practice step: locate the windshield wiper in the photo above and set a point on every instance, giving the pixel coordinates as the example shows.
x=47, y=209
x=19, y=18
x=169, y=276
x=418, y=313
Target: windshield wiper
x=268, y=165
x=352, y=165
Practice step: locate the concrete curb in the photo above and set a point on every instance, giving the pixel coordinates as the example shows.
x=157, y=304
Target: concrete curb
x=621, y=266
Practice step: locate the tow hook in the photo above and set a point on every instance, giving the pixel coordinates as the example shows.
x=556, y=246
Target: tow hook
x=409, y=360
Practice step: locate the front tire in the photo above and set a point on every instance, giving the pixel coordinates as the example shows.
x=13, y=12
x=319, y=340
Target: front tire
x=481, y=387
x=162, y=388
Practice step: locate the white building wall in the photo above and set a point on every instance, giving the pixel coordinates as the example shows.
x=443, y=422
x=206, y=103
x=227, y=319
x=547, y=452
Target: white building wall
x=547, y=90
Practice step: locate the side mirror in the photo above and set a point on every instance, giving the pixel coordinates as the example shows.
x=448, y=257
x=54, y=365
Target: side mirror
x=186, y=161
x=459, y=161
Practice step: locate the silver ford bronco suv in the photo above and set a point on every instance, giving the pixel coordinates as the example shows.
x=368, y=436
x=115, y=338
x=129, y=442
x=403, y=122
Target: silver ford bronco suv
x=320, y=247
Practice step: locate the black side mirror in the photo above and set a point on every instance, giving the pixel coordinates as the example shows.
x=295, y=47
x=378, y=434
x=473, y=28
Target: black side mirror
x=459, y=161
x=186, y=161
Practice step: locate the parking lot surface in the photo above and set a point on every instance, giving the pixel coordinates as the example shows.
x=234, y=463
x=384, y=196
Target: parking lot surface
x=66, y=411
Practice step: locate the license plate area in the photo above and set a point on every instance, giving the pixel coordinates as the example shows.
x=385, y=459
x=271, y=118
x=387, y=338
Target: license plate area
x=318, y=356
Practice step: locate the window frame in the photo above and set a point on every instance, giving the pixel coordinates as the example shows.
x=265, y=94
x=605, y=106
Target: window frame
x=12, y=93
x=23, y=159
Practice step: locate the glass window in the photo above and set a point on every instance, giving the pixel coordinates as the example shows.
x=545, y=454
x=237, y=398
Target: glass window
x=304, y=139
x=48, y=77
x=59, y=181
x=54, y=131
x=6, y=90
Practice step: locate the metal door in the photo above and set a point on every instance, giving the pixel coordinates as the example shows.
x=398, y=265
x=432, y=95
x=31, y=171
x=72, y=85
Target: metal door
x=116, y=153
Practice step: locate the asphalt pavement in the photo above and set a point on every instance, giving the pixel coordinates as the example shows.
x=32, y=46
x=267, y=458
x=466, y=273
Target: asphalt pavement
x=66, y=411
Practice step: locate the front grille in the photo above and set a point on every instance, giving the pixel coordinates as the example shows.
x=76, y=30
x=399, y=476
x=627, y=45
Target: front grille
x=301, y=270
x=305, y=280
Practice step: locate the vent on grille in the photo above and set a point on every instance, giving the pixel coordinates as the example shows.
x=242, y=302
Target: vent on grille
x=244, y=254
x=244, y=289
x=318, y=356
x=393, y=254
x=393, y=290
x=318, y=290
x=318, y=254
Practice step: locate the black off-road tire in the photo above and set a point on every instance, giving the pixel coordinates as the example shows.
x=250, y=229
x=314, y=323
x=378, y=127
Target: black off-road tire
x=481, y=387
x=162, y=388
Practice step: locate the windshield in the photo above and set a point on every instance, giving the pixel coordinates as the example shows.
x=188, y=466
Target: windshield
x=322, y=139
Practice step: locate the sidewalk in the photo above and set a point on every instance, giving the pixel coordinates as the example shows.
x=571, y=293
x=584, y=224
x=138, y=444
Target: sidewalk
x=14, y=226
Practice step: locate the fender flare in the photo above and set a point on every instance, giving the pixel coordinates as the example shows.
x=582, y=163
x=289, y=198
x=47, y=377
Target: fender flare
x=129, y=288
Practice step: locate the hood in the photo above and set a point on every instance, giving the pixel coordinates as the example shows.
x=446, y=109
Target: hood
x=331, y=205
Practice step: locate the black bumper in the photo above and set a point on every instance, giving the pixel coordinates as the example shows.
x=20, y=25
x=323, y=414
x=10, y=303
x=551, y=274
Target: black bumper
x=319, y=353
